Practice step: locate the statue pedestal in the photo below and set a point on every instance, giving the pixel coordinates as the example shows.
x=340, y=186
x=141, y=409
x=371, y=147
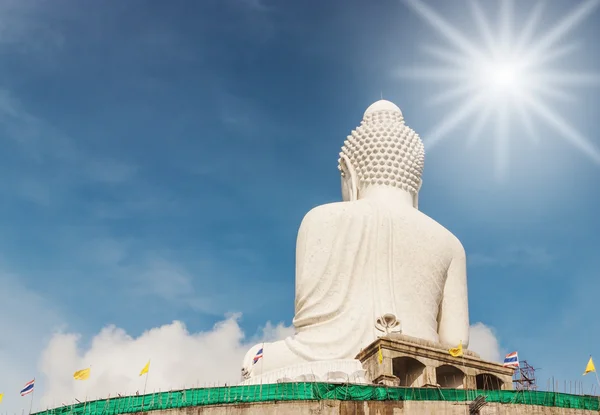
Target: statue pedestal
x=410, y=362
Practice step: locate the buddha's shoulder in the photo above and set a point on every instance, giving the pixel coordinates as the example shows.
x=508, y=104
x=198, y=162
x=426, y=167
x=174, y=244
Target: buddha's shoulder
x=439, y=231
x=337, y=210
x=331, y=213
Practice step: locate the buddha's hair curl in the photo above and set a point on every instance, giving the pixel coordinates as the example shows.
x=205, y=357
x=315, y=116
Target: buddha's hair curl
x=384, y=151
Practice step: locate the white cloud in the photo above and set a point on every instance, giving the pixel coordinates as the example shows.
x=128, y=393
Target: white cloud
x=36, y=344
x=178, y=359
x=27, y=321
x=482, y=340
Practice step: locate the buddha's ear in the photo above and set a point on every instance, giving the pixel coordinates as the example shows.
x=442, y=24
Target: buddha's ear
x=416, y=196
x=349, y=178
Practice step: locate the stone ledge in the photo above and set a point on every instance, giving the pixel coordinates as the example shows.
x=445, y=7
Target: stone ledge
x=398, y=337
x=387, y=380
x=428, y=363
x=405, y=346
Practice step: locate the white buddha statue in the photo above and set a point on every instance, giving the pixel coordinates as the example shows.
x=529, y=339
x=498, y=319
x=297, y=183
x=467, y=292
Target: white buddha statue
x=372, y=255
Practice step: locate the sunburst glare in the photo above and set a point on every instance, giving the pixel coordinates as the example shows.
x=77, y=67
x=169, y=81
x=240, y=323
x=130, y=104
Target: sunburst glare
x=503, y=75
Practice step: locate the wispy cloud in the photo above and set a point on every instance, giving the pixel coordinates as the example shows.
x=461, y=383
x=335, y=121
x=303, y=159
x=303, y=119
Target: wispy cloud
x=26, y=26
x=255, y=5
x=511, y=256
x=111, y=171
x=37, y=192
x=8, y=106
x=164, y=279
x=55, y=168
x=208, y=286
x=246, y=116
x=212, y=282
x=39, y=140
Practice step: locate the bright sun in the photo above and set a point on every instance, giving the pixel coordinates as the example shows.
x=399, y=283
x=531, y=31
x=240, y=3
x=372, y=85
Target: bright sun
x=503, y=75
x=508, y=74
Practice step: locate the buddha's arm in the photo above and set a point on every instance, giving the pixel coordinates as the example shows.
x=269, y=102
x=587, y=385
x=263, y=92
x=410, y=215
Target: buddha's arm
x=320, y=258
x=313, y=251
x=453, y=323
x=301, y=247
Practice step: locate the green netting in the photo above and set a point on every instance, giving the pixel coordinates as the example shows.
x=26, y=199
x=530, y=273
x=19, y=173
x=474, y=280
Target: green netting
x=314, y=391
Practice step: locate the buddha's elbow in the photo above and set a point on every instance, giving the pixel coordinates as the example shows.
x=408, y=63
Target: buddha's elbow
x=454, y=329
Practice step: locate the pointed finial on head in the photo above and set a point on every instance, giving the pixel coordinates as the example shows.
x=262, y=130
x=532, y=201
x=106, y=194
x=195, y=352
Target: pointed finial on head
x=382, y=105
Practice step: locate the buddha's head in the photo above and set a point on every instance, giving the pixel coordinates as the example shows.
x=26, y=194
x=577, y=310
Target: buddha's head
x=382, y=151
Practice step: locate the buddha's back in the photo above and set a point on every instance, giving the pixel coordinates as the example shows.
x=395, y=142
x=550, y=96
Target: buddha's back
x=395, y=261
x=413, y=253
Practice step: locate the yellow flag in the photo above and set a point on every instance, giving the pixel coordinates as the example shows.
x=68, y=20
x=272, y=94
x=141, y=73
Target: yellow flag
x=380, y=356
x=146, y=368
x=456, y=351
x=590, y=367
x=1, y=396
x=82, y=374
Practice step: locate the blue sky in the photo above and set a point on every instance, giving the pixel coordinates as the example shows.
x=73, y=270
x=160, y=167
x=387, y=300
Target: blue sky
x=158, y=157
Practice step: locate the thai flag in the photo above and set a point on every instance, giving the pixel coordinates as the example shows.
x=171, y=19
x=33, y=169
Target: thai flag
x=259, y=354
x=28, y=388
x=511, y=360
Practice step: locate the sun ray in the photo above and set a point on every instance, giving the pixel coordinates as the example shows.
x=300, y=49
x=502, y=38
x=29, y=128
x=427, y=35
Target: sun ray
x=501, y=141
x=530, y=26
x=483, y=25
x=551, y=92
x=452, y=120
x=432, y=74
x=508, y=71
x=452, y=94
x=567, y=24
x=477, y=128
x=506, y=7
x=445, y=55
x=443, y=27
x=567, y=131
x=553, y=55
x=527, y=121
x=569, y=78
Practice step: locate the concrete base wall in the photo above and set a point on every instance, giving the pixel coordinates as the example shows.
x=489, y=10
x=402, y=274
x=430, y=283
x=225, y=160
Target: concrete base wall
x=366, y=408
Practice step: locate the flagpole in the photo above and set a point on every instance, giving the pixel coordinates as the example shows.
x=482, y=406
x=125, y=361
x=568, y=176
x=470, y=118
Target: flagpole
x=87, y=388
x=32, y=392
x=145, y=383
x=147, y=374
x=262, y=348
x=465, y=380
